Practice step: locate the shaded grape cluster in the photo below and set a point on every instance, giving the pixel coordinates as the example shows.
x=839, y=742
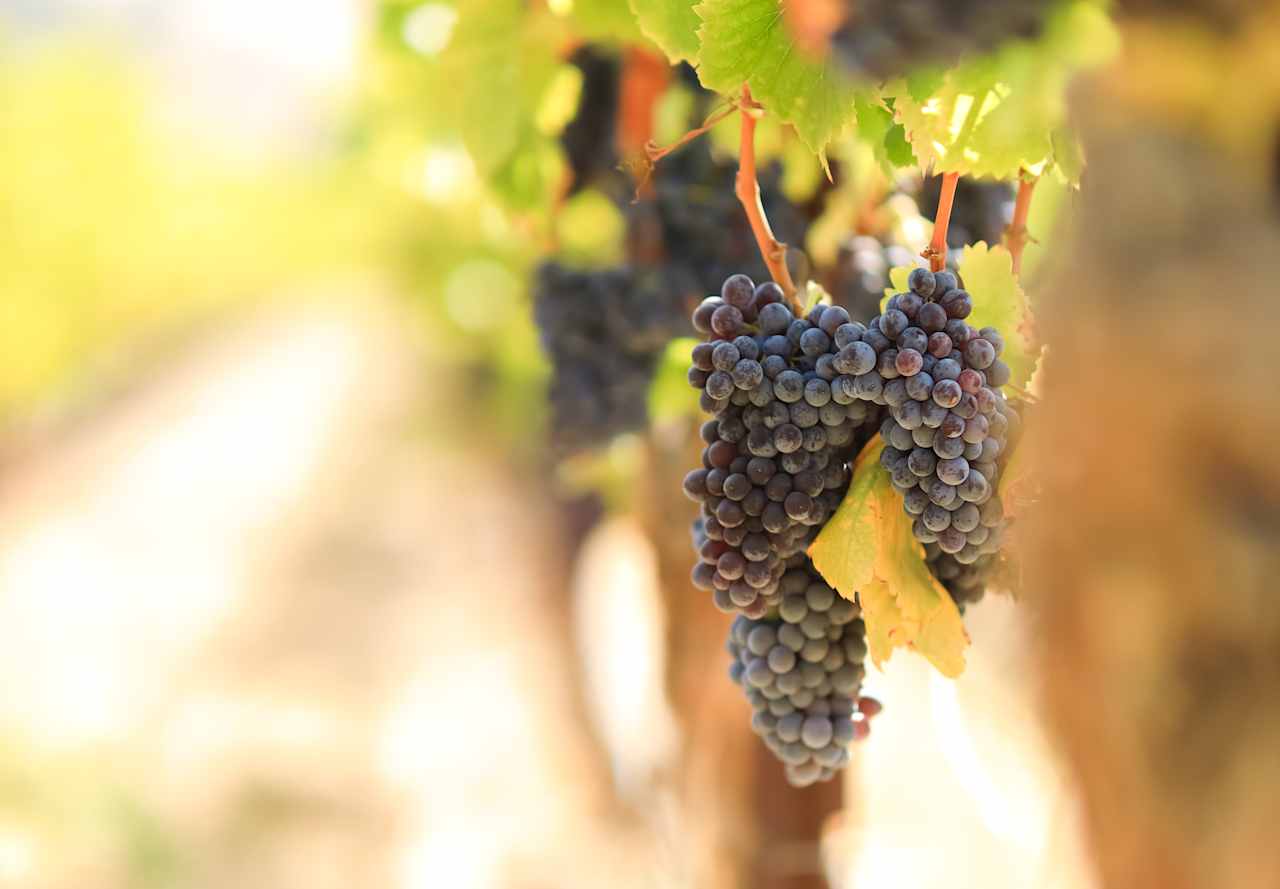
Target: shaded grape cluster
x=947, y=423
x=861, y=273
x=588, y=138
x=603, y=330
x=785, y=425
x=880, y=39
x=692, y=220
x=802, y=670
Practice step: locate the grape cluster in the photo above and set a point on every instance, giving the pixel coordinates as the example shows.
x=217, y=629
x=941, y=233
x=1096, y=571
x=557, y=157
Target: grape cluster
x=693, y=221
x=888, y=38
x=603, y=330
x=588, y=138
x=786, y=423
x=948, y=422
x=802, y=669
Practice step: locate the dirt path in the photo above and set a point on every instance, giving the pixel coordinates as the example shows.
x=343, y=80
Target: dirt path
x=310, y=647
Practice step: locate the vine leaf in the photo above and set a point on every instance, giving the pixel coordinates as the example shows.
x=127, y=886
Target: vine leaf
x=672, y=25
x=746, y=41
x=499, y=66
x=610, y=21
x=867, y=548
x=996, y=115
x=999, y=302
x=876, y=128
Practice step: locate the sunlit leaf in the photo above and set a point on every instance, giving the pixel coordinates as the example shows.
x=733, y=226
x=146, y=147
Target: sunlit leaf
x=672, y=25
x=997, y=115
x=746, y=41
x=867, y=550
x=999, y=302
x=670, y=395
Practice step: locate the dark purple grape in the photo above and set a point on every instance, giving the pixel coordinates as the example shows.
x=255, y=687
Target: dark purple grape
x=739, y=291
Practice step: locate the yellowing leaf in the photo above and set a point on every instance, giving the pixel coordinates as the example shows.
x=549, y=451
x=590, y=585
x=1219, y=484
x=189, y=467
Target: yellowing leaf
x=1000, y=114
x=845, y=552
x=746, y=41
x=867, y=549
x=930, y=620
x=881, y=615
x=898, y=278
x=672, y=24
x=998, y=301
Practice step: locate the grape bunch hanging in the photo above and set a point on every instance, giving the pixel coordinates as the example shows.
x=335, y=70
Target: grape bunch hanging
x=775, y=468
x=793, y=400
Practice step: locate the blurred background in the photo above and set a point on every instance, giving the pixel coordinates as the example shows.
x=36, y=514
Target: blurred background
x=319, y=569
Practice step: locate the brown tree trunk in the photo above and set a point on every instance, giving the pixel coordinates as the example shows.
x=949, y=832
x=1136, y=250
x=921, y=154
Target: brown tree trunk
x=753, y=829
x=1155, y=553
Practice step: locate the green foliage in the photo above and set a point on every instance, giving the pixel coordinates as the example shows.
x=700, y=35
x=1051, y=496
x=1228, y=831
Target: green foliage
x=671, y=397
x=672, y=25
x=867, y=548
x=746, y=41
x=997, y=115
x=489, y=84
x=999, y=302
x=120, y=229
x=605, y=21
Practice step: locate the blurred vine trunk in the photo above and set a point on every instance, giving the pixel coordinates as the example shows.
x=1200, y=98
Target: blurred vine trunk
x=1155, y=555
x=753, y=830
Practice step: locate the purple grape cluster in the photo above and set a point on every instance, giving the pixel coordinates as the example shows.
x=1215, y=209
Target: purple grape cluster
x=802, y=670
x=776, y=462
x=948, y=423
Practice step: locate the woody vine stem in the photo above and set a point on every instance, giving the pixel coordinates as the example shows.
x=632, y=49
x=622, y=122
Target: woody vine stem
x=936, y=252
x=747, y=188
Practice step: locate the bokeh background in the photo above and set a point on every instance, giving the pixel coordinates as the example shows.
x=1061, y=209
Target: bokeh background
x=294, y=591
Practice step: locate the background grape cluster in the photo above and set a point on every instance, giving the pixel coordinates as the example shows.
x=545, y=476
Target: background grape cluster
x=603, y=329
x=888, y=38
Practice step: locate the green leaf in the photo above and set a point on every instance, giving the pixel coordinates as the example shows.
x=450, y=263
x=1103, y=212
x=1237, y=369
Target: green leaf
x=924, y=82
x=997, y=115
x=897, y=148
x=670, y=395
x=498, y=66
x=999, y=302
x=609, y=21
x=877, y=129
x=746, y=41
x=867, y=550
x=672, y=25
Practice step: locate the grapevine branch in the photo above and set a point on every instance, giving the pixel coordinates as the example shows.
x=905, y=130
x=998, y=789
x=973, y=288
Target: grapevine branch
x=747, y=188
x=936, y=252
x=1015, y=236
x=642, y=169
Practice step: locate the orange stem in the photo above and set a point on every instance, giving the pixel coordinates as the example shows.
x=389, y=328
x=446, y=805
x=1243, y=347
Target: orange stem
x=1015, y=236
x=936, y=252
x=644, y=79
x=747, y=188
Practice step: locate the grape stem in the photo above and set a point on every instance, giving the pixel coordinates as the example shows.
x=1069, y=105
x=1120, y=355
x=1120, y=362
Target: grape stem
x=747, y=188
x=1015, y=236
x=644, y=78
x=936, y=252
x=653, y=152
